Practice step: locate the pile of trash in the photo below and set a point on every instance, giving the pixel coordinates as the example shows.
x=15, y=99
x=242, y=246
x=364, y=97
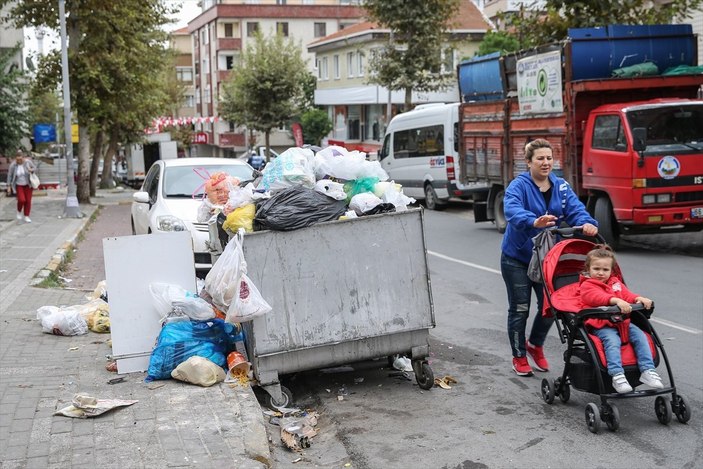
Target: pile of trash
x=300, y=188
x=78, y=319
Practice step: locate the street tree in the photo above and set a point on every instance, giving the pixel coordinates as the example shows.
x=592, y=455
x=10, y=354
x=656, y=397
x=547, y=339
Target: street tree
x=266, y=89
x=412, y=61
x=498, y=41
x=14, y=118
x=316, y=125
x=551, y=24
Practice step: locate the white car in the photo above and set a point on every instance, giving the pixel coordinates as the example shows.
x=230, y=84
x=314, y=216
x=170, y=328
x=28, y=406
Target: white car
x=171, y=194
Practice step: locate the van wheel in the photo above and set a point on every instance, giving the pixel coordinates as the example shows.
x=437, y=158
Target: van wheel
x=500, y=221
x=431, y=200
x=607, y=226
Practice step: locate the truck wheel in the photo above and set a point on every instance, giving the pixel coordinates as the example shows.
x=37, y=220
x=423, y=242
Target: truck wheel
x=431, y=200
x=500, y=221
x=607, y=226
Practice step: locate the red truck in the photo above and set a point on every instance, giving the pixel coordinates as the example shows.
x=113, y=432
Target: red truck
x=631, y=147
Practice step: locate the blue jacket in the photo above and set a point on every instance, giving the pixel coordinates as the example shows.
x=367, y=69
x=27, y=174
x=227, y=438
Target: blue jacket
x=524, y=203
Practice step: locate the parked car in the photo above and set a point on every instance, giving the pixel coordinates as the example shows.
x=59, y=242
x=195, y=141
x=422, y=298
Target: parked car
x=171, y=194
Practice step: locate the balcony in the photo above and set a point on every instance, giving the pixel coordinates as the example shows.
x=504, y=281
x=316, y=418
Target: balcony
x=223, y=75
x=229, y=43
x=232, y=139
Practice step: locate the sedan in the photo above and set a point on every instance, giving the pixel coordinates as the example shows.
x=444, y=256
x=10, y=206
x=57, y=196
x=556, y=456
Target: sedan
x=171, y=194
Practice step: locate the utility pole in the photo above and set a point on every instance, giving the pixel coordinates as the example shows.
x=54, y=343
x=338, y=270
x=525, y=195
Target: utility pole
x=71, y=210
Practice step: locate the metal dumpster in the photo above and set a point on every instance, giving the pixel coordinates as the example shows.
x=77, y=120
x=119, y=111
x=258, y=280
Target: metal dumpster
x=341, y=292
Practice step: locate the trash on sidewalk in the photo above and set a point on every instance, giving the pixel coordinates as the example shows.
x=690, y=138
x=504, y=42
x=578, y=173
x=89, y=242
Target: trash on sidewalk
x=61, y=321
x=238, y=369
x=85, y=406
x=99, y=292
x=445, y=382
x=402, y=363
x=296, y=432
x=121, y=379
x=111, y=366
x=200, y=371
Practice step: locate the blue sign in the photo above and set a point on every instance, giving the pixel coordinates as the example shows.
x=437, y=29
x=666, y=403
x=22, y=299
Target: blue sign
x=44, y=133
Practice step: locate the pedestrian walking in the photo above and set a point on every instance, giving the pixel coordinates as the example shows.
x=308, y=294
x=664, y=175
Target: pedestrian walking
x=534, y=200
x=18, y=182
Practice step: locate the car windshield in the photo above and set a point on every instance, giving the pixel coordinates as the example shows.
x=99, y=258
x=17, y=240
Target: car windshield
x=670, y=128
x=187, y=181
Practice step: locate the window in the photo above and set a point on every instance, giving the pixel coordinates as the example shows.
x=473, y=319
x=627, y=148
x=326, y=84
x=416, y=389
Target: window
x=335, y=66
x=354, y=122
x=229, y=62
x=282, y=28
x=229, y=30
x=608, y=134
x=206, y=65
x=207, y=95
x=448, y=65
x=184, y=74
x=385, y=148
x=324, y=75
x=204, y=36
x=320, y=29
x=197, y=95
x=252, y=28
x=350, y=64
x=280, y=2
x=360, y=64
x=189, y=101
x=420, y=142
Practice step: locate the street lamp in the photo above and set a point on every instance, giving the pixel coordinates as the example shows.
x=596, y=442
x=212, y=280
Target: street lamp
x=71, y=210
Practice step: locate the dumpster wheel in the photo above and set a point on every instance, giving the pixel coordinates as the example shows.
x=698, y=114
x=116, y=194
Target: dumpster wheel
x=287, y=400
x=423, y=374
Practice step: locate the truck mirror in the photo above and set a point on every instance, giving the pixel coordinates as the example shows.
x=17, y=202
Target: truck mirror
x=639, y=139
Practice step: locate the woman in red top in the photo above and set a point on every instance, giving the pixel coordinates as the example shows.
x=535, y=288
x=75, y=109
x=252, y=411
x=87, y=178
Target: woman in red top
x=598, y=287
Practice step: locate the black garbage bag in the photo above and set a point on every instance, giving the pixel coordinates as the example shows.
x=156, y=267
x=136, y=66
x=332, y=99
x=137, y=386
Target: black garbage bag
x=296, y=207
x=380, y=208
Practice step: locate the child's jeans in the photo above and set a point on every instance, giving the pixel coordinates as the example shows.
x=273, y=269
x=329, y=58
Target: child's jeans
x=612, y=343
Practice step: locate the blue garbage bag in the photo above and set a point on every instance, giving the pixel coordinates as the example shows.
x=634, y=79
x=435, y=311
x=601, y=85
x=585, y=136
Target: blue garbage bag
x=178, y=341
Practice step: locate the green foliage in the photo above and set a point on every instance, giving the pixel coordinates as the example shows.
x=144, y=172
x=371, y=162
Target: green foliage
x=307, y=100
x=316, y=125
x=560, y=15
x=14, y=119
x=182, y=135
x=498, y=41
x=413, y=58
x=266, y=89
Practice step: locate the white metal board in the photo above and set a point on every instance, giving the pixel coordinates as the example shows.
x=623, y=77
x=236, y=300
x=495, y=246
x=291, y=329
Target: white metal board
x=131, y=264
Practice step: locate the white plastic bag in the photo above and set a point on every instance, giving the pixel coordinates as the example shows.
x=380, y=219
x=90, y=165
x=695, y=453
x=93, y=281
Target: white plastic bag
x=61, y=321
x=200, y=371
x=167, y=297
x=393, y=194
x=331, y=189
x=340, y=163
x=221, y=281
x=248, y=303
x=292, y=167
x=362, y=203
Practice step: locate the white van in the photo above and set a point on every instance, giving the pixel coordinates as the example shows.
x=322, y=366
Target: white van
x=421, y=152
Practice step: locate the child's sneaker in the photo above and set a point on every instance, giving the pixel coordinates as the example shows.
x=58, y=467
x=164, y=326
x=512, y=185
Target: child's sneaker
x=652, y=379
x=537, y=355
x=521, y=367
x=620, y=384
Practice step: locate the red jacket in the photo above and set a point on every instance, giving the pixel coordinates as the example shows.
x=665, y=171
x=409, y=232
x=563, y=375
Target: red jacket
x=595, y=293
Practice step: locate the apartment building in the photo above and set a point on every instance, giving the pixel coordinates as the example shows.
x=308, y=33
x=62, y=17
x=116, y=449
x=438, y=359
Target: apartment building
x=182, y=44
x=10, y=37
x=358, y=109
x=222, y=31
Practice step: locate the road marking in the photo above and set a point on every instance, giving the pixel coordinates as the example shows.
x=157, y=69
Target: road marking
x=663, y=322
x=468, y=264
x=674, y=325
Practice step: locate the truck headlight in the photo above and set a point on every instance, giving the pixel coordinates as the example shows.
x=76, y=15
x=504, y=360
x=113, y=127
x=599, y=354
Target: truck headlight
x=170, y=223
x=648, y=199
x=663, y=198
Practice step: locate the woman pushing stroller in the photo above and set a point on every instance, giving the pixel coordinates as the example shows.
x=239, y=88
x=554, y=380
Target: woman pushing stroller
x=600, y=287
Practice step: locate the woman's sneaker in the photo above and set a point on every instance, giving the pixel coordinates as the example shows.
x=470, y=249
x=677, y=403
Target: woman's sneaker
x=537, y=355
x=652, y=379
x=620, y=384
x=521, y=367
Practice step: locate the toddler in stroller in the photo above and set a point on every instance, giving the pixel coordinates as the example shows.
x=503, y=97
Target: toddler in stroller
x=588, y=364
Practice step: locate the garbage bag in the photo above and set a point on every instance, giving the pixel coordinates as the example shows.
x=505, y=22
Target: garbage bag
x=178, y=341
x=359, y=186
x=200, y=371
x=61, y=321
x=99, y=322
x=168, y=297
x=291, y=168
x=331, y=189
x=362, y=203
x=221, y=282
x=248, y=302
x=296, y=207
x=241, y=217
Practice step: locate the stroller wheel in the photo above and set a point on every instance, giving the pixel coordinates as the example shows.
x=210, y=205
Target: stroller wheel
x=681, y=409
x=563, y=390
x=592, y=417
x=662, y=408
x=547, y=389
x=611, y=415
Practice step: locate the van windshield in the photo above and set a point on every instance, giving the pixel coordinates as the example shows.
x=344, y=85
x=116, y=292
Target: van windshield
x=419, y=142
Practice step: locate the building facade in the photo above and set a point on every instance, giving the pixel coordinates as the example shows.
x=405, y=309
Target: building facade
x=222, y=31
x=359, y=110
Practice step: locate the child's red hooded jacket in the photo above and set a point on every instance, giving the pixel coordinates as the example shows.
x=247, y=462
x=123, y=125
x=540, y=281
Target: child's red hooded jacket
x=595, y=293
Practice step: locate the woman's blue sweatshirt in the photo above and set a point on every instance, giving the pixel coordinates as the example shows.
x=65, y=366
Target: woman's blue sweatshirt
x=524, y=203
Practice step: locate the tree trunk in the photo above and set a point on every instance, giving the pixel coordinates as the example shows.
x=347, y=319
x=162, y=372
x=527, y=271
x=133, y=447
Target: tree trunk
x=268, y=153
x=107, y=176
x=408, y=99
x=95, y=164
x=83, y=183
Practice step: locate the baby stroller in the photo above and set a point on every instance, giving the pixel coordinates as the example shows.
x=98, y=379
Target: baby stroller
x=584, y=359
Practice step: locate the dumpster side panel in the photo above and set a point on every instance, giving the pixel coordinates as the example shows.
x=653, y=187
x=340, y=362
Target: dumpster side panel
x=340, y=281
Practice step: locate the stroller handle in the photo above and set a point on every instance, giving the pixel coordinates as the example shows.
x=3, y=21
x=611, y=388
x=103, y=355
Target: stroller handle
x=570, y=231
x=606, y=312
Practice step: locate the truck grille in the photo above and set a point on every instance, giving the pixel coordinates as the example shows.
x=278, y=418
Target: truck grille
x=689, y=196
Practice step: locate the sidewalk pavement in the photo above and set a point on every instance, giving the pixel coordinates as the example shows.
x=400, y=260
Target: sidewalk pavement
x=175, y=425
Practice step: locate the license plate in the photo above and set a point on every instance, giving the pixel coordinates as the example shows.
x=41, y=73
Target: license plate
x=697, y=212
